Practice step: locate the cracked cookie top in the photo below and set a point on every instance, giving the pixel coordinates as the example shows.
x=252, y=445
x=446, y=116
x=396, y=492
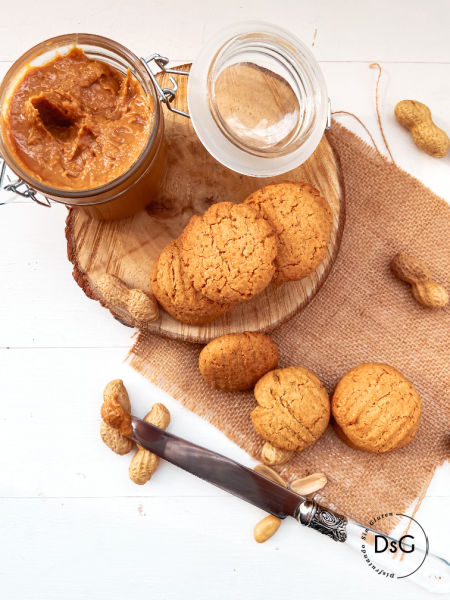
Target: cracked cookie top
x=229, y=252
x=293, y=410
x=302, y=221
x=174, y=290
x=376, y=408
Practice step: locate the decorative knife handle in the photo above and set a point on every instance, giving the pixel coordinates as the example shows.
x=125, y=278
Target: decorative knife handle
x=311, y=514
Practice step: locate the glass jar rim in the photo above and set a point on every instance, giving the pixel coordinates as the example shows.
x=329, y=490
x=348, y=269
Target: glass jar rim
x=68, y=41
x=201, y=107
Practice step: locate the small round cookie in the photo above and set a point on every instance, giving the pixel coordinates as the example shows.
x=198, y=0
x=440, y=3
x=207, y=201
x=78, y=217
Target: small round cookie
x=293, y=410
x=375, y=408
x=236, y=361
x=229, y=252
x=173, y=289
x=302, y=221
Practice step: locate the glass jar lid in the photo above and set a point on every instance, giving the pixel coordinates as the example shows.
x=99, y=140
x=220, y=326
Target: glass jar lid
x=257, y=99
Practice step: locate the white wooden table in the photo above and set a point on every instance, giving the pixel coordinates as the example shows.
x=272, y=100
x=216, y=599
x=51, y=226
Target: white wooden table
x=72, y=525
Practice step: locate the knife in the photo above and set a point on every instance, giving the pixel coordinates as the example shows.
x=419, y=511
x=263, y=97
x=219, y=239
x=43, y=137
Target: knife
x=229, y=475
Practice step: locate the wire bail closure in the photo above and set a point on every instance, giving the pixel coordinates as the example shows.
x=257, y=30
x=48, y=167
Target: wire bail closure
x=166, y=95
x=19, y=187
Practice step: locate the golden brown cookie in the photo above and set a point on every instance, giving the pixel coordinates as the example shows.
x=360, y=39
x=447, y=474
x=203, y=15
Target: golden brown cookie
x=236, y=361
x=302, y=221
x=293, y=410
x=229, y=252
x=173, y=289
x=376, y=408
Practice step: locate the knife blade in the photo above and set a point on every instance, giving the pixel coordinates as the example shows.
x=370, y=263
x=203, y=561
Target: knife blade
x=248, y=485
x=219, y=470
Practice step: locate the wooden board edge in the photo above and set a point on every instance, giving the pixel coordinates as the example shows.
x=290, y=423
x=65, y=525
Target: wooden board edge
x=79, y=276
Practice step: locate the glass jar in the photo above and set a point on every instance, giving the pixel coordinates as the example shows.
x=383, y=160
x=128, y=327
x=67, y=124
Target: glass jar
x=257, y=99
x=131, y=191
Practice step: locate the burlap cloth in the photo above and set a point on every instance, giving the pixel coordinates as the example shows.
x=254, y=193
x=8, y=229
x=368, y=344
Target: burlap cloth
x=362, y=314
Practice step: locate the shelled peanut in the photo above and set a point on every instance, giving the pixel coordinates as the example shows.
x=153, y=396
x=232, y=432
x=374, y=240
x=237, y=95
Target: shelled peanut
x=309, y=484
x=268, y=526
x=269, y=473
x=425, y=290
x=271, y=455
x=416, y=117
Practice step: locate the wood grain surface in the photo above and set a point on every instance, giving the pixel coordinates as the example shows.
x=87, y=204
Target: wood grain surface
x=195, y=180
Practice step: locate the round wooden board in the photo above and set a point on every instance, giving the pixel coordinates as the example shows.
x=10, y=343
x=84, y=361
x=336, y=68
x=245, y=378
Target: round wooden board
x=128, y=247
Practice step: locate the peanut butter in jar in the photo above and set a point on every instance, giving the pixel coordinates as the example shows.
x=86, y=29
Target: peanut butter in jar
x=84, y=131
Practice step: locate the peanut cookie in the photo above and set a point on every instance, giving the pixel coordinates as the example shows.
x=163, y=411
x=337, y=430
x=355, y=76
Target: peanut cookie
x=236, y=361
x=229, y=252
x=173, y=289
x=293, y=410
x=376, y=408
x=302, y=221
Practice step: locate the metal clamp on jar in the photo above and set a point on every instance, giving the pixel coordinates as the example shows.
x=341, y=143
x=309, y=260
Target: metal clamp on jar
x=257, y=100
